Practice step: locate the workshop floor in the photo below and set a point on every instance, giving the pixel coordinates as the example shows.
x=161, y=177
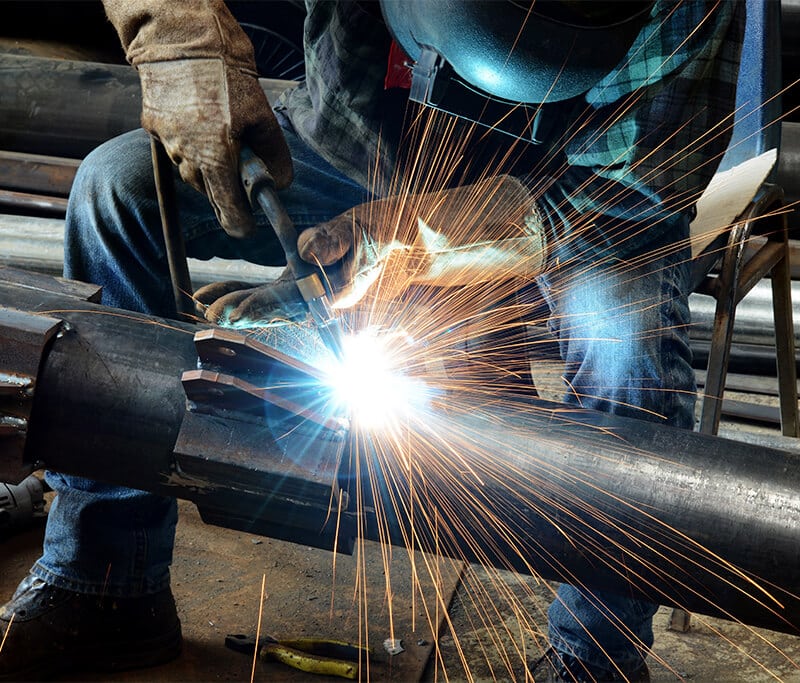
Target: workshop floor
x=217, y=577
x=495, y=621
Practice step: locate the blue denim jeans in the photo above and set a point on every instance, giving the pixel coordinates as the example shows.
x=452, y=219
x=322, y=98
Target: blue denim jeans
x=104, y=539
x=623, y=334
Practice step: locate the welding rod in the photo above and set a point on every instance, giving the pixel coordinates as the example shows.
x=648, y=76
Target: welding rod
x=260, y=187
x=173, y=237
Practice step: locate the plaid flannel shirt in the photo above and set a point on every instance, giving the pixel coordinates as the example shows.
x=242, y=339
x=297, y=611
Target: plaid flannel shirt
x=653, y=133
x=646, y=141
x=342, y=110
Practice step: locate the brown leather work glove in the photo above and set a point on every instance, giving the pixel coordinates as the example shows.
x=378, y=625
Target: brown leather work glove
x=201, y=97
x=488, y=231
x=238, y=303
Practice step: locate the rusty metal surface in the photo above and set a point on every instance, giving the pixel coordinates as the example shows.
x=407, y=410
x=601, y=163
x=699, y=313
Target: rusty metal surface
x=78, y=104
x=67, y=108
x=37, y=173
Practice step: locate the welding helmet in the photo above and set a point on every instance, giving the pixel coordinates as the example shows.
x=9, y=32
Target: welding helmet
x=465, y=53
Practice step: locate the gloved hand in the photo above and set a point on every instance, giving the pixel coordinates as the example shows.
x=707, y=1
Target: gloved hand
x=201, y=97
x=489, y=231
x=233, y=302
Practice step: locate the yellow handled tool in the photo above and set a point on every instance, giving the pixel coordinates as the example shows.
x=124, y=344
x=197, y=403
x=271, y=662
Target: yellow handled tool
x=313, y=655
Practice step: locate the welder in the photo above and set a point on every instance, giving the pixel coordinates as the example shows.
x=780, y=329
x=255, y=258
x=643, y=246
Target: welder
x=636, y=96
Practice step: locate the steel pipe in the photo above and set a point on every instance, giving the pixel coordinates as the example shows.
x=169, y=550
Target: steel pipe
x=65, y=108
x=788, y=170
x=51, y=176
x=754, y=322
x=707, y=524
x=790, y=27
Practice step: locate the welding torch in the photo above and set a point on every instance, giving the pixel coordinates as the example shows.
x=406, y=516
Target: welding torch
x=260, y=188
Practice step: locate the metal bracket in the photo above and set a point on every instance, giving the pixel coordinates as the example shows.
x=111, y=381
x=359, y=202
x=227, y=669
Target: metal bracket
x=241, y=376
x=256, y=423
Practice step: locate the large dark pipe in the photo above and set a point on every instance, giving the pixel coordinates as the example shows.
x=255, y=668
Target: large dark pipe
x=65, y=108
x=599, y=501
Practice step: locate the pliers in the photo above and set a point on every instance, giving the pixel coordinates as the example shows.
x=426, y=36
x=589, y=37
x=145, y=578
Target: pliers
x=312, y=655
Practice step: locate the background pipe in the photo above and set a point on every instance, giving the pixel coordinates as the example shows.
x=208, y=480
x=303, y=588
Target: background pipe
x=788, y=171
x=754, y=323
x=680, y=518
x=66, y=108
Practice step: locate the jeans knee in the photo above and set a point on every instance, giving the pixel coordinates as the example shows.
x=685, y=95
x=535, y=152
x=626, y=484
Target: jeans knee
x=110, y=184
x=101, y=172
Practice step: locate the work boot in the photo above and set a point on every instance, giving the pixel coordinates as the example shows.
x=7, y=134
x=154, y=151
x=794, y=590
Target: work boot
x=554, y=667
x=47, y=631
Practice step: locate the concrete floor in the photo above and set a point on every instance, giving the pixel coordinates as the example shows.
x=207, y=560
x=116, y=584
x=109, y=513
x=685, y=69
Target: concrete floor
x=496, y=619
x=217, y=579
x=712, y=651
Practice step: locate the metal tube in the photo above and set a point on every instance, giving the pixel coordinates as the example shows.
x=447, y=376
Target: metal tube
x=788, y=171
x=108, y=399
x=601, y=501
x=65, y=108
x=38, y=204
x=35, y=173
x=754, y=322
x=597, y=500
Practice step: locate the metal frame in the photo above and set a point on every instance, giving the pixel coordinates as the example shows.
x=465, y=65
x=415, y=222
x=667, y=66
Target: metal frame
x=739, y=272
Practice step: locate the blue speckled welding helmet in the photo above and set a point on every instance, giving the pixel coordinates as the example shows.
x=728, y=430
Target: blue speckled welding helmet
x=465, y=52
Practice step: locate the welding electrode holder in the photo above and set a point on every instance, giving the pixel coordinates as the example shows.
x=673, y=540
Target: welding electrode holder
x=260, y=187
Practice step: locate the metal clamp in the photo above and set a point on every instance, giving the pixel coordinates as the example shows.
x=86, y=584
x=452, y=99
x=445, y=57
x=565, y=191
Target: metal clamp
x=257, y=420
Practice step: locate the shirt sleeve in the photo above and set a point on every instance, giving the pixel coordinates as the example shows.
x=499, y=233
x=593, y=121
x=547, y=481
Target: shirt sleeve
x=652, y=131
